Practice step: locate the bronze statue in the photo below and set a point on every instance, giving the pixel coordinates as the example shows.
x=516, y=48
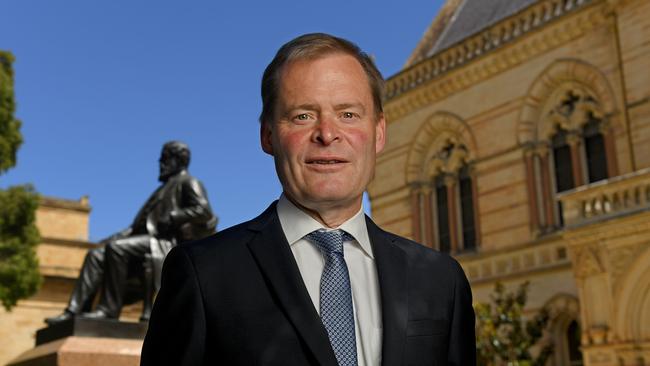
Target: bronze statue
x=177, y=211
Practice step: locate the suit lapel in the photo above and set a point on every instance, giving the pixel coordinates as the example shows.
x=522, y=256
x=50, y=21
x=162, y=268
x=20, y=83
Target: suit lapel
x=272, y=252
x=392, y=271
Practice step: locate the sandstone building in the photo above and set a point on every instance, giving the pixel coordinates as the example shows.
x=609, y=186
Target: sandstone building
x=63, y=225
x=519, y=141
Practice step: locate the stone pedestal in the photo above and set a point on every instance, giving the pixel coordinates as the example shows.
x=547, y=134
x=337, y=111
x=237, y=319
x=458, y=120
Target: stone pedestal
x=86, y=342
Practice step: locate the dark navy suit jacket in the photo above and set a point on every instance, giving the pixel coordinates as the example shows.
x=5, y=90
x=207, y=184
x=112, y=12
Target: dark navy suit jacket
x=237, y=298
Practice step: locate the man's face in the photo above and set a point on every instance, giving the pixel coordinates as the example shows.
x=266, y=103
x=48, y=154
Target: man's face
x=326, y=134
x=168, y=164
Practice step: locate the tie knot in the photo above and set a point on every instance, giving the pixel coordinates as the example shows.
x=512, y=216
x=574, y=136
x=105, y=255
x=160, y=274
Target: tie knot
x=329, y=241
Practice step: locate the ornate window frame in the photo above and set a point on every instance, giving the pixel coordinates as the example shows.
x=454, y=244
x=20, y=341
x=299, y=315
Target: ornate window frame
x=543, y=113
x=443, y=146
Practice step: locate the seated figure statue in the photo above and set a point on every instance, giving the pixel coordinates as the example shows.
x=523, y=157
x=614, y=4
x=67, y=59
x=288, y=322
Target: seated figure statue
x=177, y=211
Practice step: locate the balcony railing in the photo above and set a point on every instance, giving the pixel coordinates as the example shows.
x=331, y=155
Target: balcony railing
x=606, y=199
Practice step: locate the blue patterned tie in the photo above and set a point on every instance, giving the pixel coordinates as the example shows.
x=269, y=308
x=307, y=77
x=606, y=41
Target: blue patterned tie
x=336, y=296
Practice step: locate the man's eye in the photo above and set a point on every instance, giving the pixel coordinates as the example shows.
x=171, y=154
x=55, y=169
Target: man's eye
x=302, y=117
x=348, y=115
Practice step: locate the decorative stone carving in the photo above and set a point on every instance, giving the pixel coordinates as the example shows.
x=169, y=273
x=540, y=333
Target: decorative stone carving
x=442, y=143
x=449, y=160
x=573, y=108
x=587, y=262
x=620, y=260
x=569, y=108
x=565, y=96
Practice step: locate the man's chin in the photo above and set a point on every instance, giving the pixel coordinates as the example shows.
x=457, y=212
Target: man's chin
x=332, y=199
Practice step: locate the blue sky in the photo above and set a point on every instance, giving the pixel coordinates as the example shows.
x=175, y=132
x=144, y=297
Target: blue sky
x=100, y=86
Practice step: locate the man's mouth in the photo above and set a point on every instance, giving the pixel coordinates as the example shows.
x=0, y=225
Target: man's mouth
x=329, y=161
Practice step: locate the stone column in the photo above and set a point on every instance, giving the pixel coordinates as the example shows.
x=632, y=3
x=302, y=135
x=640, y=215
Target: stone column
x=529, y=156
x=596, y=311
x=452, y=204
x=547, y=197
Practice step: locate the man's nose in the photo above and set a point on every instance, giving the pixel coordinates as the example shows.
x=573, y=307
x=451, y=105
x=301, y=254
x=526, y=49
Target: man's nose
x=326, y=130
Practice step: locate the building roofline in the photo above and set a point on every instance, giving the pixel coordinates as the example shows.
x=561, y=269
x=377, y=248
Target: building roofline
x=487, y=40
x=433, y=32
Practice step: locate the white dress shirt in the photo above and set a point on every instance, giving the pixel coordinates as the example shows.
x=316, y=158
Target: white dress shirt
x=361, y=266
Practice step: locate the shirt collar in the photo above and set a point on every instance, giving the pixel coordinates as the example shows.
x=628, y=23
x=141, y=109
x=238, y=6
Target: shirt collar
x=296, y=224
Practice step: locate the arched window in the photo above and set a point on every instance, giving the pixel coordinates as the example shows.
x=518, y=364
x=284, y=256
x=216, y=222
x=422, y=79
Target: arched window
x=574, y=96
x=453, y=203
x=441, y=175
x=575, y=149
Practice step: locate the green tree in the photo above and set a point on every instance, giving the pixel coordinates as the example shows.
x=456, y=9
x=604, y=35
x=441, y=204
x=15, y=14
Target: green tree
x=19, y=276
x=10, y=138
x=503, y=337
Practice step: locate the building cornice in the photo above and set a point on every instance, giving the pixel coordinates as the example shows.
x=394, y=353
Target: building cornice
x=508, y=43
x=82, y=204
x=548, y=253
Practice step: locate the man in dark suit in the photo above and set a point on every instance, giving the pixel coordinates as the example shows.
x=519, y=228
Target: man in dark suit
x=177, y=211
x=312, y=280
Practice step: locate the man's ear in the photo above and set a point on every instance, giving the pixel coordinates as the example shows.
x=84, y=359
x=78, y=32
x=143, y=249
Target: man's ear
x=266, y=131
x=380, y=134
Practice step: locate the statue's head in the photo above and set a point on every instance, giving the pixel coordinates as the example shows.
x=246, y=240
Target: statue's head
x=174, y=158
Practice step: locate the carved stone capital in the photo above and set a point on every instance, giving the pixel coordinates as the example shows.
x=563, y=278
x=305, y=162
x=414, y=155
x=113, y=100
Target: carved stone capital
x=605, y=126
x=416, y=187
x=529, y=151
x=426, y=189
x=542, y=150
x=573, y=138
x=622, y=258
x=450, y=180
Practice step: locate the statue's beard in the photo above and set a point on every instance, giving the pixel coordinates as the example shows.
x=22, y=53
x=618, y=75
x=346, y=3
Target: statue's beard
x=165, y=174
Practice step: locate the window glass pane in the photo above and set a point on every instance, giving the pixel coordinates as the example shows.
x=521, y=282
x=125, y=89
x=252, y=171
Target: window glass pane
x=444, y=234
x=596, y=159
x=467, y=210
x=595, y=151
x=573, y=341
x=562, y=161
